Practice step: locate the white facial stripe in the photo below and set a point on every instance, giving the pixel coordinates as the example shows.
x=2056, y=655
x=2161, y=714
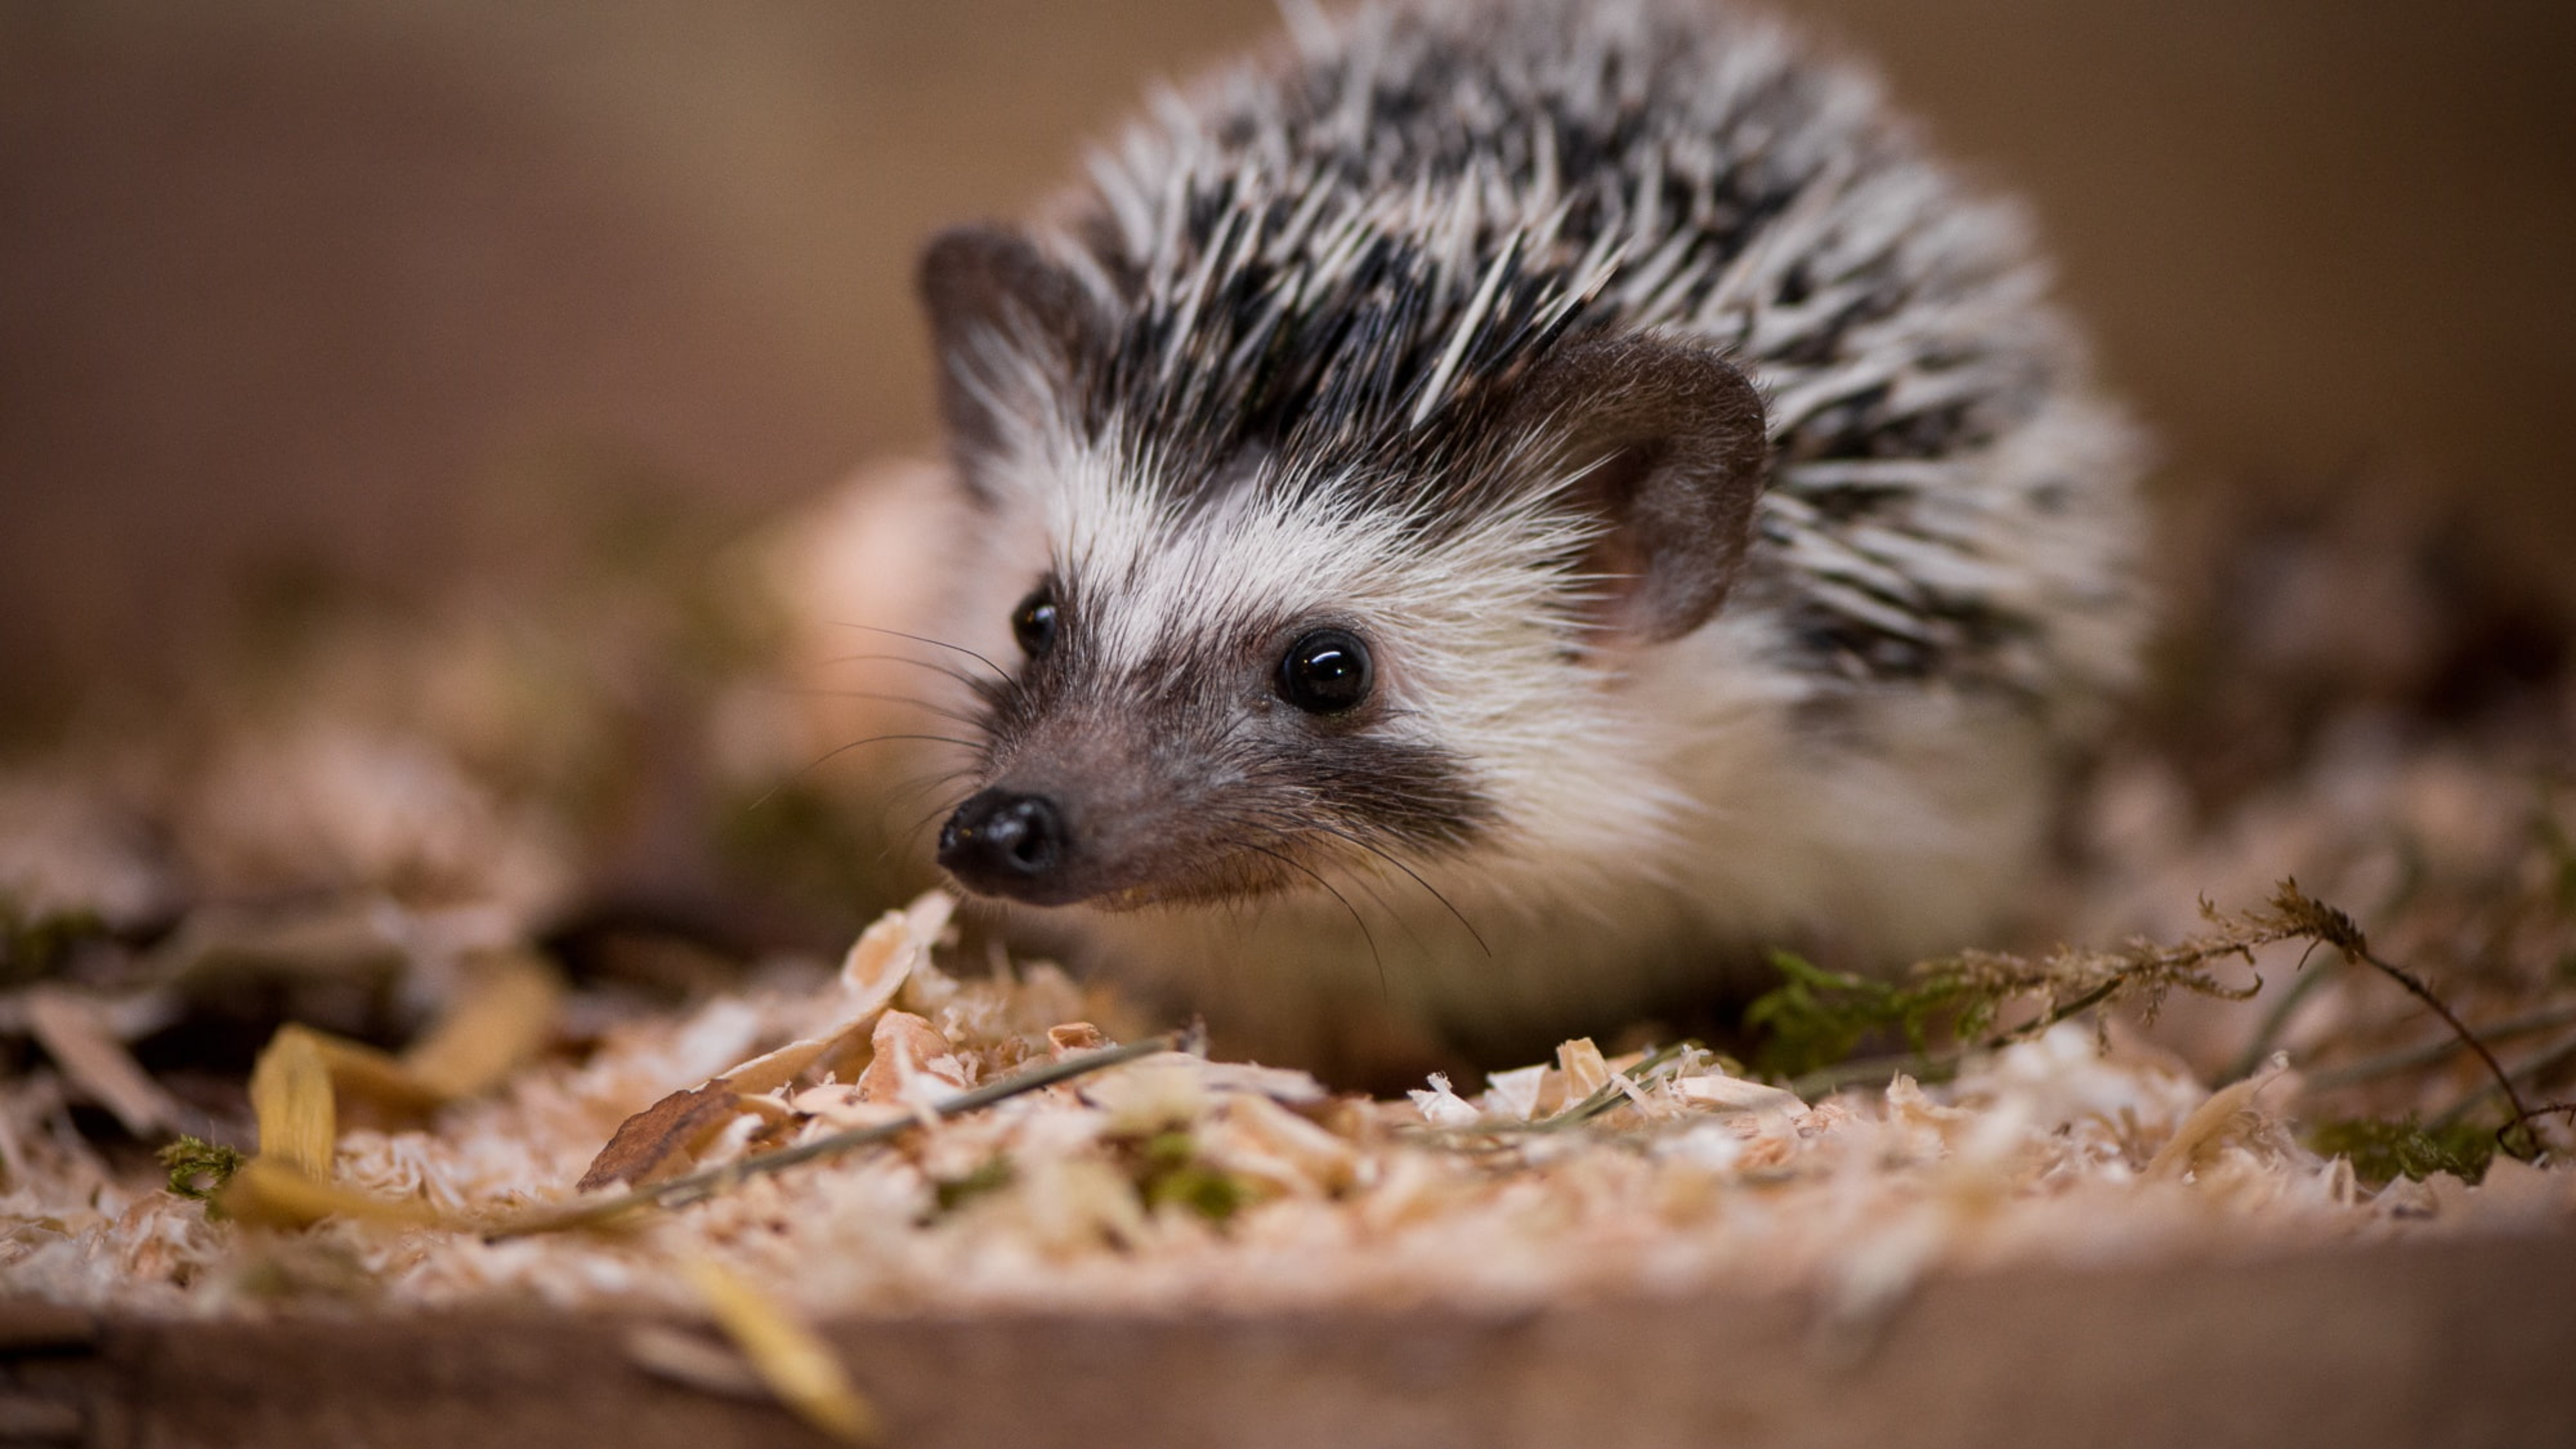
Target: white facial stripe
x=1469, y=635
x=1267, y=552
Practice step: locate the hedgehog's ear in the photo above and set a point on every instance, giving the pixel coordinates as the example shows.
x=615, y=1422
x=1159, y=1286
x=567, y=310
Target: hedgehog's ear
x=994, y=299
x=1675, y=454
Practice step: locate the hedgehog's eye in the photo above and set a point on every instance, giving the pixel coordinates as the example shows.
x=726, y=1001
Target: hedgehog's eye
x=1325, y=672
x=1033, y=622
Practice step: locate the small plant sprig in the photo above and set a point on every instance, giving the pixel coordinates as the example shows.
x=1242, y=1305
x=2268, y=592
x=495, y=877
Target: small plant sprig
x=2382, y=1150
x=2332, y=927
x=1815, y=1018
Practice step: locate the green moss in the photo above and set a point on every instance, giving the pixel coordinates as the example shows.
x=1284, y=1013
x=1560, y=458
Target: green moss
x=2382, y=1150
x=198, y=1168
x=1815, y=1018
x=1169, y=1171
x=948, y=1194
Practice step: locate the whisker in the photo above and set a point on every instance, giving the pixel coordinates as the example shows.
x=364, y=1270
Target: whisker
x=911, y=788
x=943, y=711
x=926, y=639
x=1384, y=990
x=909, y=838
x=1364, y=844
x=827, y=756
x=1420, y=946
x=967, y=680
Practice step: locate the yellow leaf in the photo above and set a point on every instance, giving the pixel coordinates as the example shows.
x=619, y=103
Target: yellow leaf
x=497, y=1024
x=290, y=1094
x=269, y=1193
x=364, y=1071
x=789, y=1357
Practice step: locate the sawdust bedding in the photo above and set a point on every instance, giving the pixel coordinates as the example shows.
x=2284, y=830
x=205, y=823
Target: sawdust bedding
x=1175, y=1180
x=393, y=852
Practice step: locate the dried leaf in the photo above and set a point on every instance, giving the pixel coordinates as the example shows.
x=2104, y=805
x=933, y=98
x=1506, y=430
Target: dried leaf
x=359, y=1070
x=789, y=1356
x=267, y=1192
x=697, y=1187
x=665, y=1137
x=692, y=1361
x=497, y=1024
x=290, y=1094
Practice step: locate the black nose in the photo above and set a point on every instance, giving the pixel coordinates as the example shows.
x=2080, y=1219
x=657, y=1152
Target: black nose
x=1005, y=843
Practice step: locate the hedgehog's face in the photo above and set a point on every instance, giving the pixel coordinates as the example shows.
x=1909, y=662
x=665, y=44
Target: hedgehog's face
x=1137, y=755
x=1241, y=695
x=1244, y=671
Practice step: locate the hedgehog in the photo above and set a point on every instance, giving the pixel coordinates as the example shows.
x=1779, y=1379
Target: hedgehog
x=1483, y=519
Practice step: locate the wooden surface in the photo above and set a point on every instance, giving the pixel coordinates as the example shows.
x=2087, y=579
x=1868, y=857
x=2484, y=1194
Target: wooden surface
x=2431, y=1343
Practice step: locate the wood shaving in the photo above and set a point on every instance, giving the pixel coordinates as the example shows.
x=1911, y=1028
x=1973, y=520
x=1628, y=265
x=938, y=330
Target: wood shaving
x=72, y=1031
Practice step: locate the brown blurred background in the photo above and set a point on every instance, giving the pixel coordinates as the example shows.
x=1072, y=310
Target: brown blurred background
x=299, y=283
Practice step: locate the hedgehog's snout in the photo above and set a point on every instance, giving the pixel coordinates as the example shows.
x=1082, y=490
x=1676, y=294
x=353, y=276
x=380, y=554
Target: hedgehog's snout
x=1006, y=843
